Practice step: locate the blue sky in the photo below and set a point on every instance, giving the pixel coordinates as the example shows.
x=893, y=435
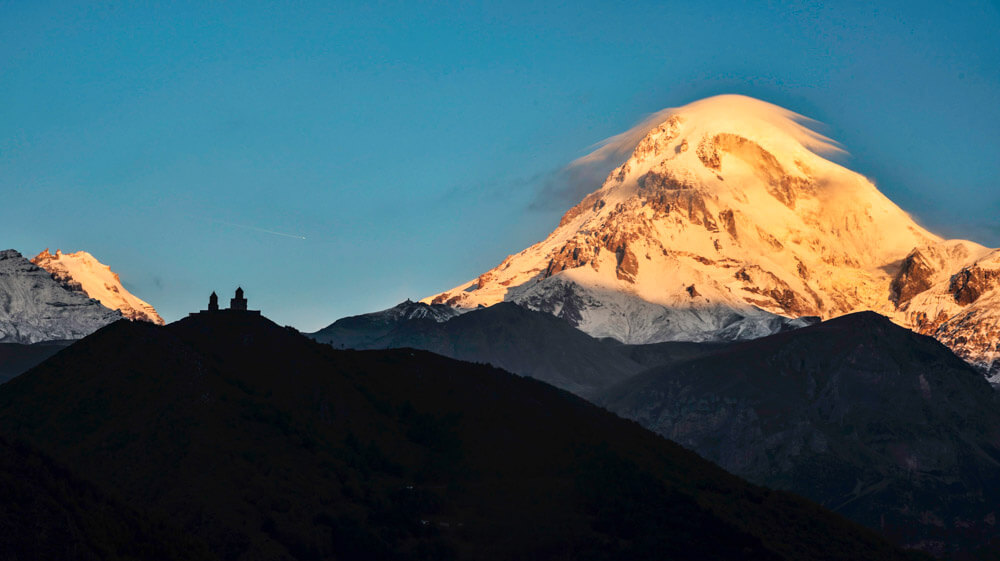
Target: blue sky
x=408, y=144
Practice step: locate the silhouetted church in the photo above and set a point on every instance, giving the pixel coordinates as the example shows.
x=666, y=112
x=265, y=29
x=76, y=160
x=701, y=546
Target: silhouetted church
x=236, y=304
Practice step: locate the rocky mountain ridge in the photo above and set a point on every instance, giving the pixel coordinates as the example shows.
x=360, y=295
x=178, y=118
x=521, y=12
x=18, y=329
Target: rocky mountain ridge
x=82, y=272
x=35, y=307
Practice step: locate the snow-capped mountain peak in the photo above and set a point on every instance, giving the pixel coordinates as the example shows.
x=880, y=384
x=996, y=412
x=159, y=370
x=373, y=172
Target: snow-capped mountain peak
x=735, y=161
x=720, y=217
x=35, y=307
x=82, y=272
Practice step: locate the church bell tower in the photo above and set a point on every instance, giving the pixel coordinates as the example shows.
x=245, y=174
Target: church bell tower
x=239, y=302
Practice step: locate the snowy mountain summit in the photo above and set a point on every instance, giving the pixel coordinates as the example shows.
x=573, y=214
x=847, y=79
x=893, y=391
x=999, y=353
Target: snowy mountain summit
x=35, y=307
x=83, y=273
x=725, y=221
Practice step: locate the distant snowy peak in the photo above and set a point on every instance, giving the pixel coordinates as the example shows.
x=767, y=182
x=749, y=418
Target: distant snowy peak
x=370, y=331
x=721, y=211
x=719, y=217
x=35, y=307
x=417, y=310
x=82, y=272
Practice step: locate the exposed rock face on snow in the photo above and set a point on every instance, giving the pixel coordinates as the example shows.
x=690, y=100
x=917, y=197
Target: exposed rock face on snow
x=82, y=272
x=34, y=307
x=958, y=302
x=724, y=222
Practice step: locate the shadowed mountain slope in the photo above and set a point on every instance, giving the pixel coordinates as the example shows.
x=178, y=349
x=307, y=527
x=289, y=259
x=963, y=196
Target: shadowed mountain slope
x=509, y=336
x=506, y=335
x=883, y=425
x=369, y=331
x=270, y=446
x=16, y=358
x=50, y=513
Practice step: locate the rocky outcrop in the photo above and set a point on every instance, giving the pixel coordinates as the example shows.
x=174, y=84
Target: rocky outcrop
x=973, y=336
x=914, y=277
x=708, y=153
x=781, y=185
x=576, y=253
x=656, y=144
x=591, y=202
x=760, y=282
x=628, y=265
x=664, y=193
x=950, y=291
x=728, y=219
x=970, y=283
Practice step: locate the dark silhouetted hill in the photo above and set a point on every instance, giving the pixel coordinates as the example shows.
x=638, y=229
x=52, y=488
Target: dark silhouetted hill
x=267, y=445
x=47, y=512
x=17, y=358
x=878, y=423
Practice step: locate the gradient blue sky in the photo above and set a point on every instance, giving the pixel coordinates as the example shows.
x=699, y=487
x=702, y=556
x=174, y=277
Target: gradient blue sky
x=409, y=144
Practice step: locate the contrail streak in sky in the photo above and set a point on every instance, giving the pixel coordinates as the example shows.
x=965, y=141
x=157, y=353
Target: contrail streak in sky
x=262, y=230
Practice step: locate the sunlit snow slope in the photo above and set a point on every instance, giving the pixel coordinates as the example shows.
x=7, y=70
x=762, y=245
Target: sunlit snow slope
x=81, y=271
x=724, y=221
